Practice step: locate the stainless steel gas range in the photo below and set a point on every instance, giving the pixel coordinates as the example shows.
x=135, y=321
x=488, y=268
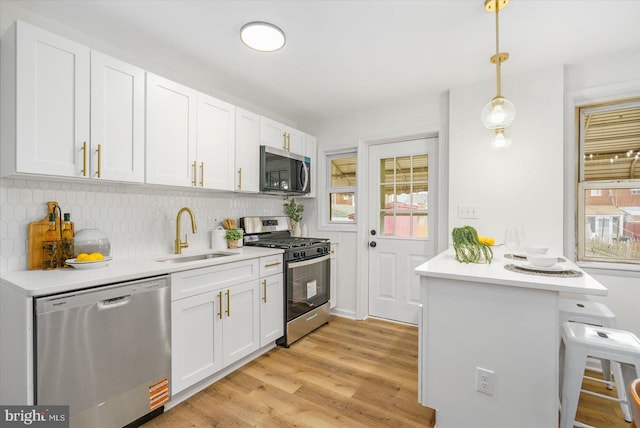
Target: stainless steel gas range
x=306, y=273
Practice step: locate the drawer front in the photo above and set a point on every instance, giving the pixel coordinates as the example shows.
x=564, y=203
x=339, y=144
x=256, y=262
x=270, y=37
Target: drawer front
x=197, y=281
x=271, y=265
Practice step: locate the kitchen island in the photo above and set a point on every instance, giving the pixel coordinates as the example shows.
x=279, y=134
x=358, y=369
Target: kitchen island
x=489, y=341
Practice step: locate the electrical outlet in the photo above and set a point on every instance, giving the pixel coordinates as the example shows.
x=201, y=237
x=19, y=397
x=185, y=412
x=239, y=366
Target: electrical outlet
x=485, y=380
x=468, y=211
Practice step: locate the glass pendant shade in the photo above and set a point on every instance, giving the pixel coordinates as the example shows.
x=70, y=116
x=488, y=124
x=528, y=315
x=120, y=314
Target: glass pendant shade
x=498, y=113
x=500, y=141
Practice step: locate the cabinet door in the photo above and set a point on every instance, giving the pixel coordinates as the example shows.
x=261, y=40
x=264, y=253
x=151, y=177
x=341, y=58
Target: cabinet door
x=247, y=151
x=296, y=141
x=171, y=132
x=117, y=119
x=273, y=134
x=196, y=335
x=241, y=322
x=271, y=309
x=52, y=105
x=215, y=144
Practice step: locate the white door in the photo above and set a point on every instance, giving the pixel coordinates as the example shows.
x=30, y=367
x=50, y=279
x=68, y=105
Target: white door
x=117, y=119
x=215, y=143
x=52, y=106
x=247, y=151
x=402, y=227
x=240, y=321
x=171, y=132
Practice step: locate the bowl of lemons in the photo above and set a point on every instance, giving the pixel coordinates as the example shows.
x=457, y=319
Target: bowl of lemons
x=88, y=261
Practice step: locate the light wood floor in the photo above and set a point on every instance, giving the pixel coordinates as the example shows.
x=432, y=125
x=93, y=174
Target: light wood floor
x=346, y=374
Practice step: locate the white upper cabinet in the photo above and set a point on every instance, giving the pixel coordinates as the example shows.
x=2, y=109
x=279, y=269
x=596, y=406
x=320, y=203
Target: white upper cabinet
x=281, y=137
x=51, y=103
x=190, y=137
x=78, y=113
x=171, y=132
x=117, y=119
x=215, y=144
x=247, y=175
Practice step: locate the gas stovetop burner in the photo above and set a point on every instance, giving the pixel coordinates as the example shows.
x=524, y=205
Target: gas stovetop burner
x=286, y=242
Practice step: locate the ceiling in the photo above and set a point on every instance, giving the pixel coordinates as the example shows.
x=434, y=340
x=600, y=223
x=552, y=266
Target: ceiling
x=344, y=56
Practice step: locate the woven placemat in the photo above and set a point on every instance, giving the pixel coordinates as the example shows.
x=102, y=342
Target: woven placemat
x=524, y=258
x=559, y=274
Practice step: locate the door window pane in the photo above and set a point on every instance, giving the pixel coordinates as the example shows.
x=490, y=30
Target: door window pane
x=403, y=196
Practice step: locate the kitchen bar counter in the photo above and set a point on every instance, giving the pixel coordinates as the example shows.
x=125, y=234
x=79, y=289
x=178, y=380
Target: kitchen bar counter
x=482, y=316
x=33, y=283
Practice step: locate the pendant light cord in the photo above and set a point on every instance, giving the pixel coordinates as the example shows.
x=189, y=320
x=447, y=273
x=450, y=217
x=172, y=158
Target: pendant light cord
x=498, y=61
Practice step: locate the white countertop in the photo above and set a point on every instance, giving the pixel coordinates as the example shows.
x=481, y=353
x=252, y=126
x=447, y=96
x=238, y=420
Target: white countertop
x=45, y=282
x=444, y=265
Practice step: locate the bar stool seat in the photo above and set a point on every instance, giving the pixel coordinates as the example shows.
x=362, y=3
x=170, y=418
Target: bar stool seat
x=581, y=341
x=598, y=314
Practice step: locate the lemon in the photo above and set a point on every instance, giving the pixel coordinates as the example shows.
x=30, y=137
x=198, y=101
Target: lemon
x=95, y=257
x=82, y=257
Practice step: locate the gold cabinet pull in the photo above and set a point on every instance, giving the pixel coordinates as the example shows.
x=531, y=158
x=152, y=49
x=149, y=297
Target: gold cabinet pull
x=264, y=285
x=273, y=264
x=99, y=159
x=284, y=141
x=84, y=158
x=228, y=311
x=220, y=305
x=240, y=179
x=193, y=181
x=202, y=174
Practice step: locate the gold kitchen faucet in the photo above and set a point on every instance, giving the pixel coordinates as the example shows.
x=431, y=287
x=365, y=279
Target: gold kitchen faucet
x=179, y=244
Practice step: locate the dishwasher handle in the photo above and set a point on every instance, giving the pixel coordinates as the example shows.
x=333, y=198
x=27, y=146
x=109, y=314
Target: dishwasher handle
x=114, y=302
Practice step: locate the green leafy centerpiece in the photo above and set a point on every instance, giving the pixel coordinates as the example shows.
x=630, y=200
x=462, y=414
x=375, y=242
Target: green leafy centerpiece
x=468, y=247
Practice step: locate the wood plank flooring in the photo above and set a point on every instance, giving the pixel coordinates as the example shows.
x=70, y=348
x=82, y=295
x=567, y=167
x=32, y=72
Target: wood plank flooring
x=346, y=374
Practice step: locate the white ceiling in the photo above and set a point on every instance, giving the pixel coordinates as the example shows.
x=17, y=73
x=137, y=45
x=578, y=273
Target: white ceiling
x=348, y=55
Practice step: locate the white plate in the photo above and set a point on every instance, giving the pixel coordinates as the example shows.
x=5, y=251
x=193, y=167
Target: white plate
x=555, y=268
x=96, y=264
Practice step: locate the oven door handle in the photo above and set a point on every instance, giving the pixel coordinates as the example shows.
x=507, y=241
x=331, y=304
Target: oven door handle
x=307, y=262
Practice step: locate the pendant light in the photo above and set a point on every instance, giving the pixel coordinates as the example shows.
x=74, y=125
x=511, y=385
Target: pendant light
x=499, y=112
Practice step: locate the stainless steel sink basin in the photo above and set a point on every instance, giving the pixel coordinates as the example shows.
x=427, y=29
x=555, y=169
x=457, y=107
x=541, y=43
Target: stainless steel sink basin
x=196, y=257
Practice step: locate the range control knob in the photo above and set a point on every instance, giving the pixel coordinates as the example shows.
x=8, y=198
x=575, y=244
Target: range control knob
x=320, y=250
x=303, y=253
x=296, y=254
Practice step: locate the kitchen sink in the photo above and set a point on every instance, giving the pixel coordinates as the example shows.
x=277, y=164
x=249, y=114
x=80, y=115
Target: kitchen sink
x=195, y=257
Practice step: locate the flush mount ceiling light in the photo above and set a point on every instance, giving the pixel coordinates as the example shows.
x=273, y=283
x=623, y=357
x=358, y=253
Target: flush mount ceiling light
x=499, y=112
x=262, y=36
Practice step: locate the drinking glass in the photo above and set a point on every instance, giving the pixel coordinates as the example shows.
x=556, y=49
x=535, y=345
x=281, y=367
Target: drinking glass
x=514, y=239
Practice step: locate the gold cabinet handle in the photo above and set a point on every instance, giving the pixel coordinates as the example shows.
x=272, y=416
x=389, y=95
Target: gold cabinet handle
x=240, y=179
x=99, y=159
x=228, y=311
x=284, y=141
x=202, y=174
x=273, y=264
x=84, y=158
x=220, y=305
x=193, y=181
x=264, y=285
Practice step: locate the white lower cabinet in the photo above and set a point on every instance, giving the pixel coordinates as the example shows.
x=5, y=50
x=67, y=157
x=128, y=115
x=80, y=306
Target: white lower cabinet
x=271, y=309
x=215, y=320
x=221, y=314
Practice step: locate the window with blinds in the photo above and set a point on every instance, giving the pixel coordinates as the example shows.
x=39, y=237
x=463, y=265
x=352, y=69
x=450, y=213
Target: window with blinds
x=609, y=182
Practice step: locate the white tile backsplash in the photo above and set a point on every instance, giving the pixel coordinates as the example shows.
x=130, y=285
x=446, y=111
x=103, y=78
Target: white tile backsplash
x=139, y=220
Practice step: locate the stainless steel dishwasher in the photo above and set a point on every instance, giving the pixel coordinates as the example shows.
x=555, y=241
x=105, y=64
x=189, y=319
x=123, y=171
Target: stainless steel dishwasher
x=105, y=352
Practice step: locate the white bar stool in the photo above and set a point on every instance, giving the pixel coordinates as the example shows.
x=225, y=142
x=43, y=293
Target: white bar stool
x=582, y=340
x=598, y=314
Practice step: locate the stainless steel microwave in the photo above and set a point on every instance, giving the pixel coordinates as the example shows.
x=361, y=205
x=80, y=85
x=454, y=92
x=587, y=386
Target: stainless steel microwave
x=284, y=172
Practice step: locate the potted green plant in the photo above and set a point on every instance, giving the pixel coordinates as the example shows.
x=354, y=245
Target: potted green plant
x=233, y=236
x=294, y=212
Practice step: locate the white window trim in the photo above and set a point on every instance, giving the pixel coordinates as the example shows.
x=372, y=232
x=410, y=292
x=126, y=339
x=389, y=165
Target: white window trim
x=573, y=100
x=323, y=201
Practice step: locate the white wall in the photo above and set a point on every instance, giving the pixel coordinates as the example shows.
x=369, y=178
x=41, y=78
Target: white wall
x=402, y=118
